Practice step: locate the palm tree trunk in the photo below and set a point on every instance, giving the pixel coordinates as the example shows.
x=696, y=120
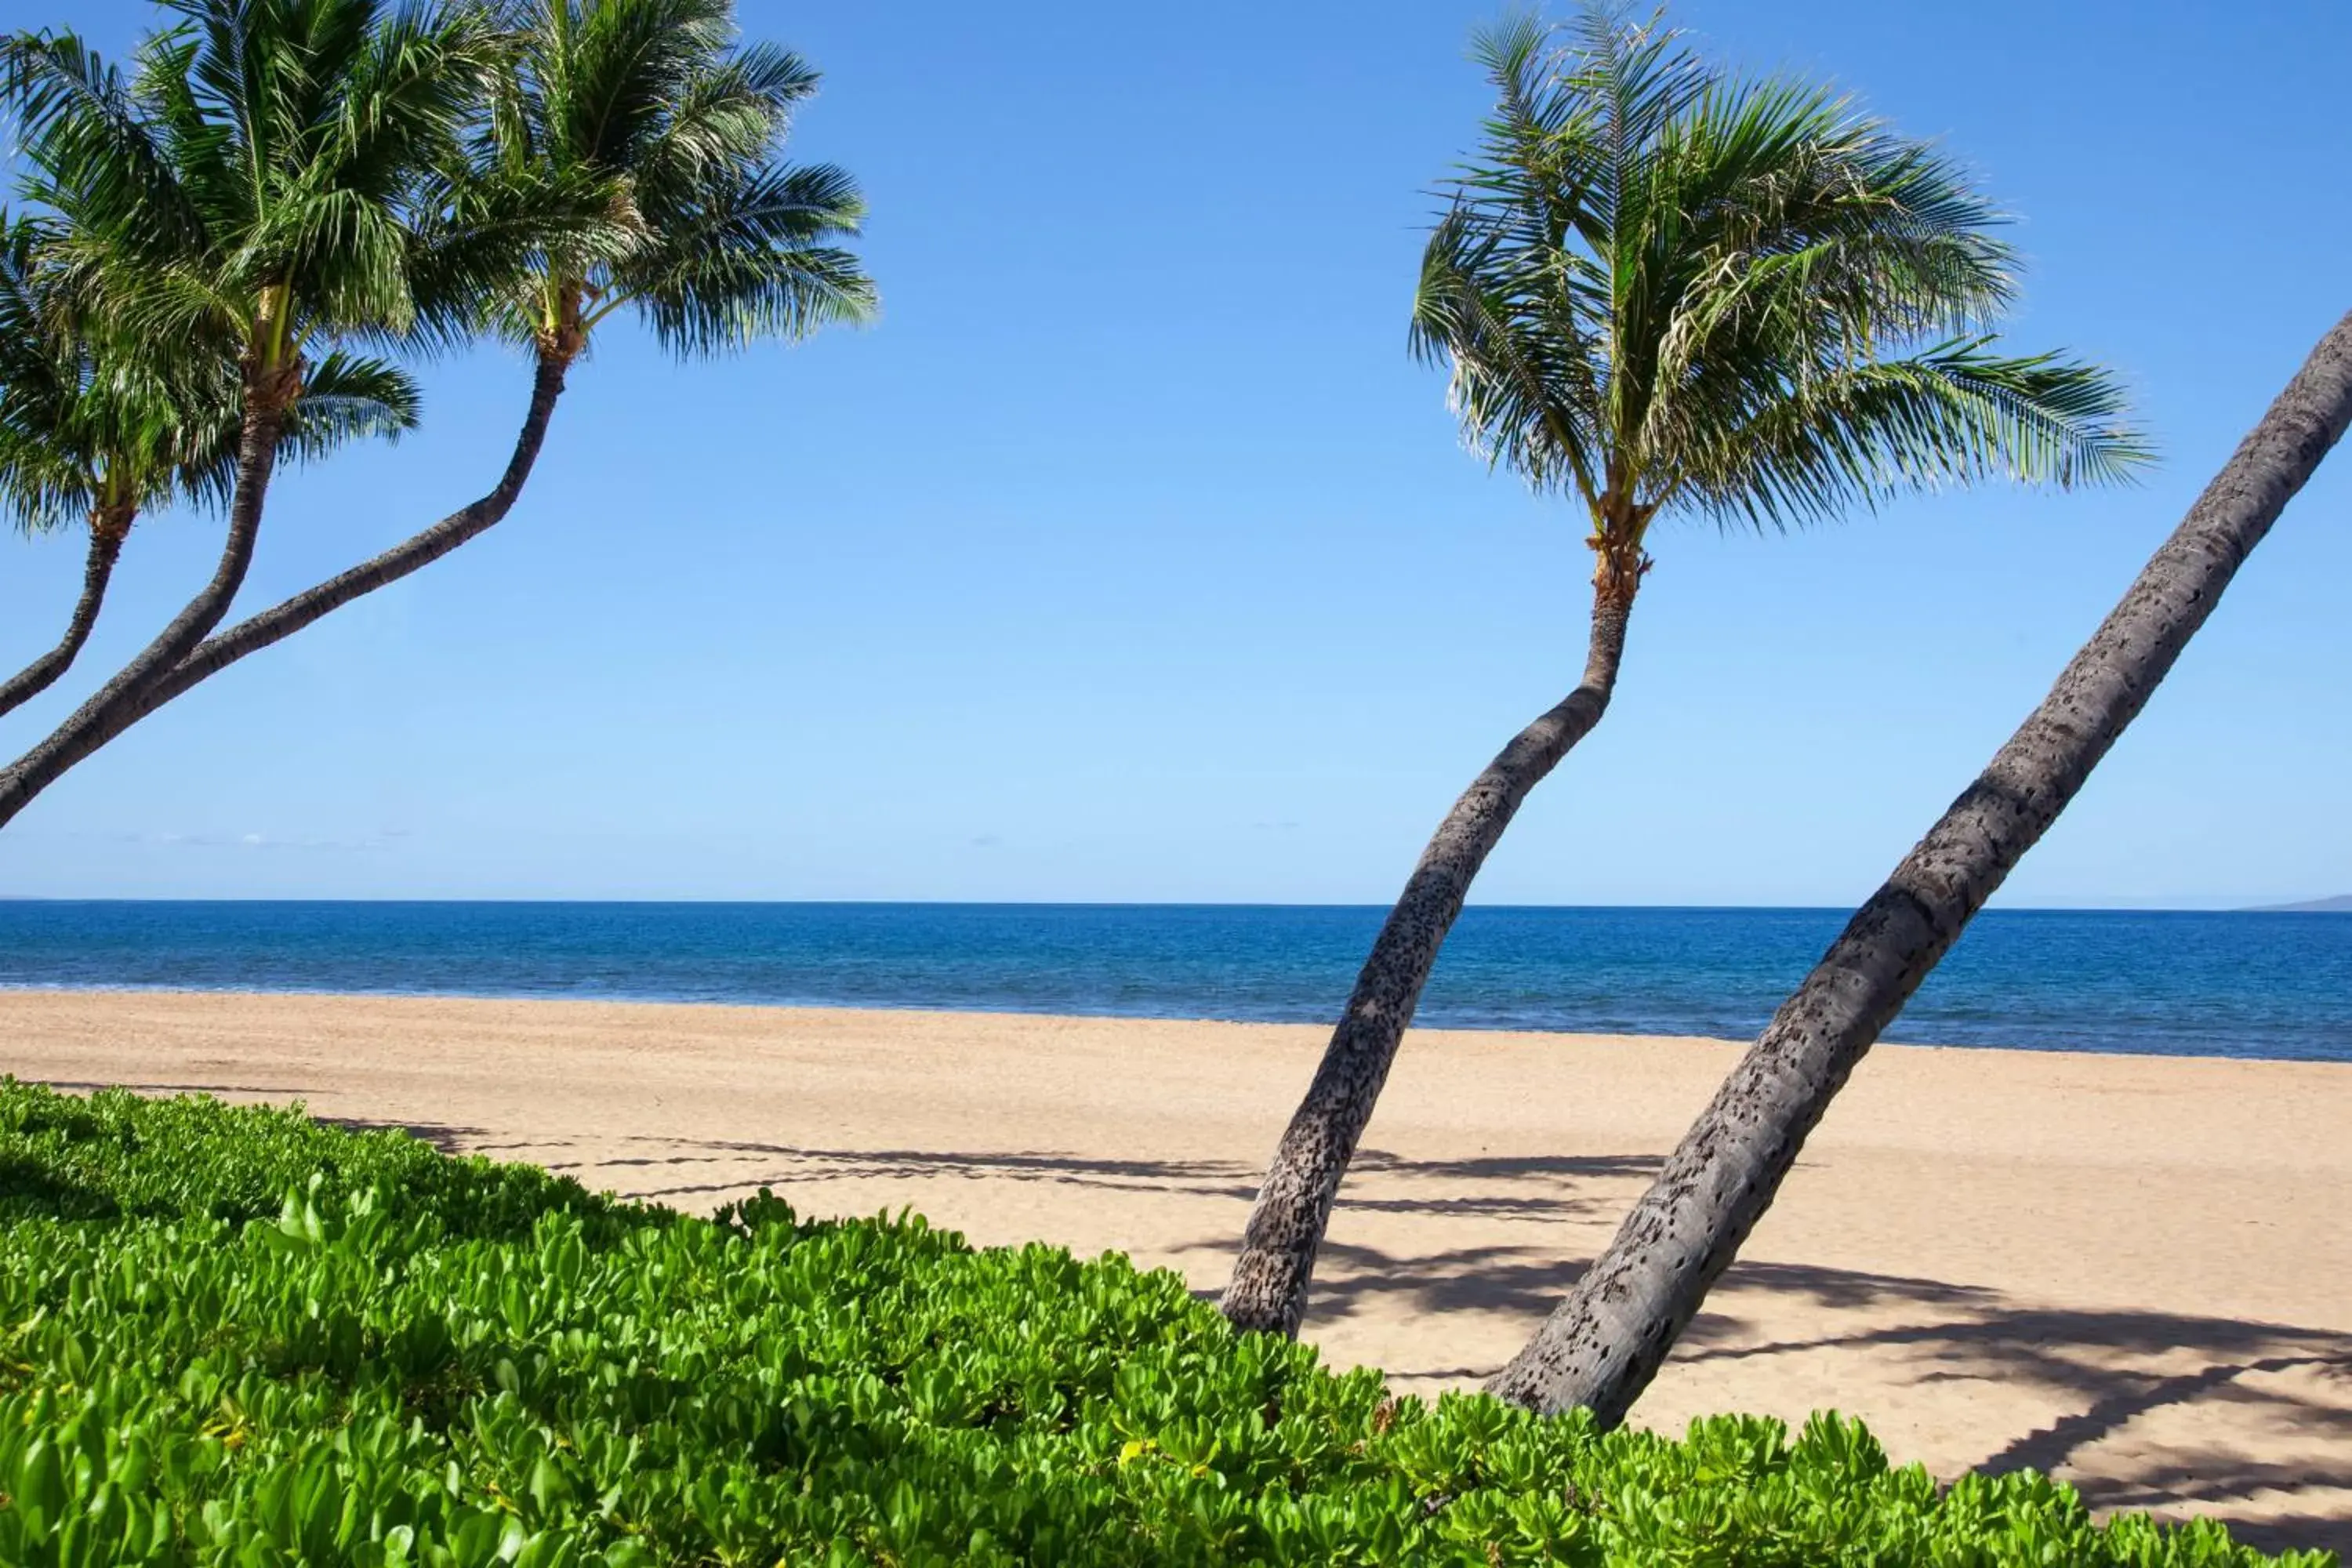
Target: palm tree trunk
x=201, y=660
x=1277, y=1266
x=1606, y=1340
x=103, y=717
x=282, y=620
x=108, y=527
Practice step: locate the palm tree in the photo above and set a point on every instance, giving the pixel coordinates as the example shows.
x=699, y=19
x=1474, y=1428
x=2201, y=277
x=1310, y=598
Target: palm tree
x=1665, y=289
x=701, y=231
x=1605, y=1342
x=263, y=190
x=101, y=434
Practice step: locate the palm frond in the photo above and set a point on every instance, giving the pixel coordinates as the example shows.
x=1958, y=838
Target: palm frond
x=1955, y=414
x=347, y=398
x=754, y=262
x=93, y=152
x=1523, y=383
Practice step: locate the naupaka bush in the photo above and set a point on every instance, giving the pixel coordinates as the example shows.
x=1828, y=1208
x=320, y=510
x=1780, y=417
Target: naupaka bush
x=234, y=1336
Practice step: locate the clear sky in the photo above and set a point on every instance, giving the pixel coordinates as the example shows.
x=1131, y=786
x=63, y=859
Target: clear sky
x=1129, y=557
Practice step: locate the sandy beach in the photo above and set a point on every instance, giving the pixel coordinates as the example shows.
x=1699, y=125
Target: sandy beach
x=2136, y=1272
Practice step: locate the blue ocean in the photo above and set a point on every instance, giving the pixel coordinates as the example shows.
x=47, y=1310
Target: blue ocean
x=2171, y=983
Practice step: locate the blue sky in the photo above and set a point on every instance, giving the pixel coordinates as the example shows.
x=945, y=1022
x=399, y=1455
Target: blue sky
x=1129, y=557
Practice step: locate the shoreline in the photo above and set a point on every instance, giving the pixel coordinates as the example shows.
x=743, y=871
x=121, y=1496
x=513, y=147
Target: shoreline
x=639, y=999
x=2128, y=1269
x=2227, y=984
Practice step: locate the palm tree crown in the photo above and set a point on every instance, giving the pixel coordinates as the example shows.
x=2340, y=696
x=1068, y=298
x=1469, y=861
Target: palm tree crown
x=103, y=431
x=268, y=180
x=1661, y=286
x=706, y=235
x=85, y=434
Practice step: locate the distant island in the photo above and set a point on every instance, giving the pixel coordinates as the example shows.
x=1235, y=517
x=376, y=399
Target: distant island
x=2340, y=905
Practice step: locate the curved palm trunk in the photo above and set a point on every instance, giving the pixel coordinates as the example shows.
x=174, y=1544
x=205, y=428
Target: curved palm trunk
x=108, y=527
x=200, y=660
x=282, y=620
x=1605, y=1342
x=104, y=715
x=1277, y=1266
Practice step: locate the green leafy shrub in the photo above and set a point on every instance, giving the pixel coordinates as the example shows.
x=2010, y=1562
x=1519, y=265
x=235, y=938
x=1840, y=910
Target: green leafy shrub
x=415, y=1360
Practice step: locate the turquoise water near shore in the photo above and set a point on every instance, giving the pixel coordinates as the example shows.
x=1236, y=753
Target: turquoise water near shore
x=2175, y=984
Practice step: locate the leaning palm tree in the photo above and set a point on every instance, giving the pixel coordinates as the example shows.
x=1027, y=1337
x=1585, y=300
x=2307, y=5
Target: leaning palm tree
x=98, y=433
x=1605, y=1342
x=1663, y=289
x=261, y=191
x=702, y=232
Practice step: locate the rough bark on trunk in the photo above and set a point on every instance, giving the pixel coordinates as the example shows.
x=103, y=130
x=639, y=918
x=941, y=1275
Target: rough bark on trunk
x=108, y=527
x=1607, y=1340
x=200, y=660
x=103, y=716
x=1276, y=1264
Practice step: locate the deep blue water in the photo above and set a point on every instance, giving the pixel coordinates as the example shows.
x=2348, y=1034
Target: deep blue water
x=2182, y=984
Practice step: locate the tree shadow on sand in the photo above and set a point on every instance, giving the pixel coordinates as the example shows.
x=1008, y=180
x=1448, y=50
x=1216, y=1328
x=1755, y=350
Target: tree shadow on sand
x=2105, y=1370
x=447, y=1137
x=782, y=1165
x=2111, y=1370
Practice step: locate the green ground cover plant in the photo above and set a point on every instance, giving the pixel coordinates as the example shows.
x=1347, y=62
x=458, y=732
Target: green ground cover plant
x=236, y=1336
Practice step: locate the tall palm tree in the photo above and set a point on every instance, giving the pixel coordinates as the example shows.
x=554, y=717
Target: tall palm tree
x=261, y=191
x=1605, y=1342
x=100, y=433
x=702, y=232
x=1662, y=289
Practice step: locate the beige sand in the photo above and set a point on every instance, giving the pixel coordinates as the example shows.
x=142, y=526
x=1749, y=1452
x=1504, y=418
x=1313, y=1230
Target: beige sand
x=2134, y=1271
